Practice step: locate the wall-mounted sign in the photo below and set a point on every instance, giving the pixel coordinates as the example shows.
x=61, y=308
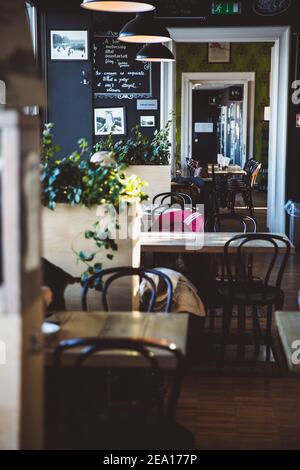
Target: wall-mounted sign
x=270, y=7
x=116, y=73
x=146, y=105
x=226, y=8
x=297, y=120
x=204, y=127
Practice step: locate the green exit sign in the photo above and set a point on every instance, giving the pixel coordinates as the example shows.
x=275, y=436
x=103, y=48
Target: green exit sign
x=226, y=8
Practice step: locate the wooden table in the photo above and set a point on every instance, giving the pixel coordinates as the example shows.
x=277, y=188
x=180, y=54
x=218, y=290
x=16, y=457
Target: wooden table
x=227, y=171
x=288, y=327
x=208, y=242
x=161, y=326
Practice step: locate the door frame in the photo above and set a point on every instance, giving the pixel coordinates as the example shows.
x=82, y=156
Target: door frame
x=280, y=35
x=246, y=79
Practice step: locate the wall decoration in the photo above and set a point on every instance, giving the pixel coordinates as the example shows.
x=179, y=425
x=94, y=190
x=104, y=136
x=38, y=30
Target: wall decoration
x=147, y=121
x=117, y=73
x=109, y=121
x=270, y=7
x=69, y=45
x=218, y=52
x=297, y=120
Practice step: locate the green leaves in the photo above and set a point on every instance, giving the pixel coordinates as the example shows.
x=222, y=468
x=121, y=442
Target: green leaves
x=78, y=181
x=86, y=256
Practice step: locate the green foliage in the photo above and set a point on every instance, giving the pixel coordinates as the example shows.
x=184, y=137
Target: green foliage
x=76, y=180
x=139, y=149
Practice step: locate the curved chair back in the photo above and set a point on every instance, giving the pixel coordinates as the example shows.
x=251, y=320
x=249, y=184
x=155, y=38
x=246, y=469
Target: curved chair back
x=247, y=223
x=254, y=172
x=274, y=268
x=124, y=271
x=86, y=347
x=180, y=198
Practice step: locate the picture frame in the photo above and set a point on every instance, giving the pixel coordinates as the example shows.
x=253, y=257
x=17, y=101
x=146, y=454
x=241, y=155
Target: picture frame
x=147, y=121
x=110, y=120
x=219, y=52
x=69, y=45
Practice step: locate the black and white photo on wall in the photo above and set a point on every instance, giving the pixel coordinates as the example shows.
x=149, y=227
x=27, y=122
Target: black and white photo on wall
x=69, y=45
x=110, y=121
x=147, y=121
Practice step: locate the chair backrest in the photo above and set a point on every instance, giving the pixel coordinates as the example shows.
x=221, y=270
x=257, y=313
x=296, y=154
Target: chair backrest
x=254, y=172
x=273, y=267
x=246, y=223
x=180, y=198
x=86, y=347
x=124, y=271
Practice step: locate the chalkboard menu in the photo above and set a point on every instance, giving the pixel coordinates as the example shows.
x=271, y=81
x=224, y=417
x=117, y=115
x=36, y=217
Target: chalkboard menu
x=116, y=73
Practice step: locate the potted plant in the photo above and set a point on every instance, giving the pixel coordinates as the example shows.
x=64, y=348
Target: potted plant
x=73, y=189
x=144, y=157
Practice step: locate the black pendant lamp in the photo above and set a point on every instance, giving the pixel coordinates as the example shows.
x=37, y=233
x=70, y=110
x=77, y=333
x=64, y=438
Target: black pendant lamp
x=155, y=53
x=121, y=6
x=144, y=29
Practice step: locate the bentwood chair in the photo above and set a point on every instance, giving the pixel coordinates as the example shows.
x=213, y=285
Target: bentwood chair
x=243, y=290
x=124, y=271
x=244, y=186
x=225, y=223
x=174, y=197
x=120, y=408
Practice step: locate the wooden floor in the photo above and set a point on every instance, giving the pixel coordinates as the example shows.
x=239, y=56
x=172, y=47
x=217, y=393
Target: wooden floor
x=244, y=407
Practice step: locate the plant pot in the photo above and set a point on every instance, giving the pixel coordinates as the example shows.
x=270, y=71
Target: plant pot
x=65, y=226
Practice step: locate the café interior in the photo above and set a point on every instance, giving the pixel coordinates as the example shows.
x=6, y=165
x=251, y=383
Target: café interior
x=150, y=225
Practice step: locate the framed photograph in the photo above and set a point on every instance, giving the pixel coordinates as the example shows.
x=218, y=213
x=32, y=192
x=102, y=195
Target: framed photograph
x=110, y=121
x=147, y=121
x=69, y=45
x=218, y=52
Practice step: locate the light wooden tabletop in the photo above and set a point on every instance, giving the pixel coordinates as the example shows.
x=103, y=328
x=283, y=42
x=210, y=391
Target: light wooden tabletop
x=158, y=326
x=231, y=170
x=208, y=242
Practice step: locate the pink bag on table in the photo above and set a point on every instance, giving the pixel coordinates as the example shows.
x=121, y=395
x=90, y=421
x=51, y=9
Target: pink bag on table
x=179, y=221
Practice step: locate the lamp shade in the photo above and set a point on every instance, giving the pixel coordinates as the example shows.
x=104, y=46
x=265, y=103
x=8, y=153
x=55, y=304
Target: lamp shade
x=155, y=53
x=144, y=29
x=120, y=6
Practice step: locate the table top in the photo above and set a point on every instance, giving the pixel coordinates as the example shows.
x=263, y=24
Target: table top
x=171, y=327
x=231, y=170
x=208, y=242
x=288, y=325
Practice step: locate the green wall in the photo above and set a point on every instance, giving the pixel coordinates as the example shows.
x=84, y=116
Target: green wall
x=245, y=57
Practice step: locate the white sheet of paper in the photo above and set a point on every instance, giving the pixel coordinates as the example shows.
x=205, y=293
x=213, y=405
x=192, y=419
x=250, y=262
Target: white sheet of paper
x=204, y=127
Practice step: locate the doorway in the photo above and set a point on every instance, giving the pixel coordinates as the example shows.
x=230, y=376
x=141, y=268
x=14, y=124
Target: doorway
x=212, y=97
x=278, y=101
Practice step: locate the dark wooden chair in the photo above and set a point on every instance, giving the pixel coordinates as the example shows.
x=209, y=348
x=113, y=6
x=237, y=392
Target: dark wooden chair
x=243, y=290
x=119, y=408
x=174, y=197
x=225, y=223
x=244, y=186
x=124, y=271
